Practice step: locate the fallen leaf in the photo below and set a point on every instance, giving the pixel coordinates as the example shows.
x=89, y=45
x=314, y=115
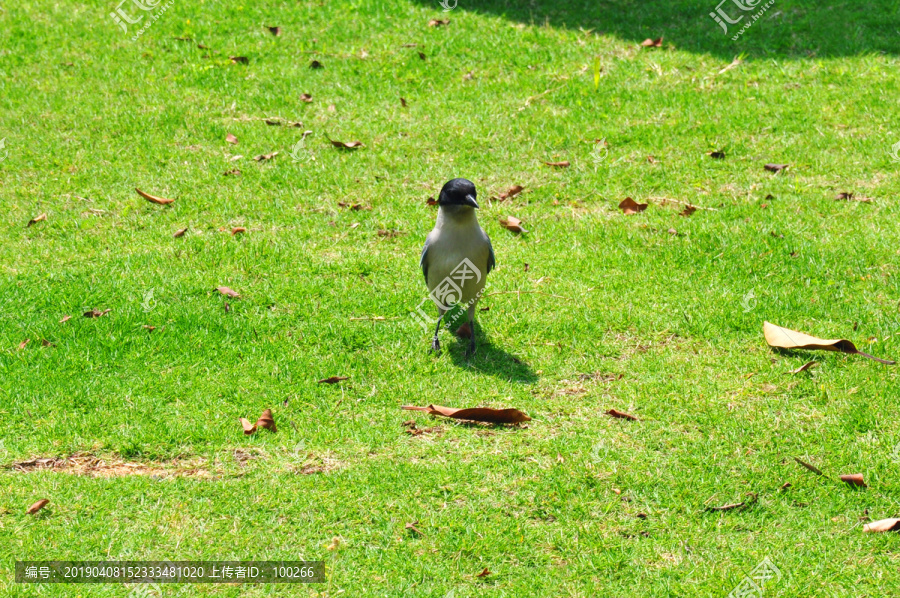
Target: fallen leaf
x=770, y=196
x=512, y=223
x=786, y=485
x=305, y=97
x=672, y=231
x=412, y=526
x=263, y=157
x=228, y=292
x=315, y=64
x=687, y=211
x=422, y=55
x=348, y=145
x=804, y=367
x=37, y=506
x=651, y=159
x=438, y=22
x=227, y=307
x=479, y=414
x=652, y=43
x=563, y=164
x=276, y=31
x=468, y=76
x=784, y=338
x=274, y=122
x=854, y=479
x=152, y=198
x=96, y=313
x=431, y=202
x=239, y=59
x=621, y=415
x=149, y=328
x=237, y=230
x=231, y=139
x=775, y=167
x=266, y=421
x=403, y=102
x=464, y=331
x=65, y=319
x=46, y=343
x=37, y=219
x=248, y=427
x=629, y=206
x=232, y=172
x=484, y=573
x=333, y=379
x=718, y=154
x=180, y=233
x=851, y=197
x=511, y=192
x=813, y=469
x=884, y=525
x=24, y=343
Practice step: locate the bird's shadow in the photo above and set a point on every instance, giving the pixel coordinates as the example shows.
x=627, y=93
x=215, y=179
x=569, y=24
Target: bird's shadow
x=490, y=359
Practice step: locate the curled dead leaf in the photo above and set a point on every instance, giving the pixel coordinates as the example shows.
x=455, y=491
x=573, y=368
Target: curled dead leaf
x=248, y=427
x=350, y=145
x=333, y=379
x=775, y=167
x=403, y=102
x=263, y=157
x=812, y=468
x=563, y=164
x=883, y=525
x=232, y=172
x=153, y=199
x=315, y=64
x=717, y=154
x=629, y=206
x=276, y=31
x=239, y=59
x=65, y=319
x=620, y=415
x=24, y=343
x=228, y=292
x=652, y=43
x=510, y=193
x=266, y=421
x=305, y=97
x=854, y=479
x=96, y=313
x=412, y=526
x=438, y=22
x=180, y=233
x=37, y=506
x=37, y=219
x=513, y=224
x=480, y=414
x=804, y=367
x=231, y=139
x=238, y=230
x=485, y=572
x=688, y=210
x=783, y=338
x=431, y=202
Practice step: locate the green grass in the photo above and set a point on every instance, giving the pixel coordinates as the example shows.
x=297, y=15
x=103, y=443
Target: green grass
x=88, y=115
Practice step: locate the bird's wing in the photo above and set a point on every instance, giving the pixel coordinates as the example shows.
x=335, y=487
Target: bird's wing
x=491, y=259
x=423, y=262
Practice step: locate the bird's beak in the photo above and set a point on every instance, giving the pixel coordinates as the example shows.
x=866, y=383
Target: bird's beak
x=470, y=201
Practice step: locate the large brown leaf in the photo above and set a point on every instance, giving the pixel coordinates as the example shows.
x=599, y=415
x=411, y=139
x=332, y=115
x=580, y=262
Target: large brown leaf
x=37, y=506
x=152, y=198
x=854, y=479
x=884, y=525
x=512, y=223
x=629, y=206
x=784, y=338
x=478, y=414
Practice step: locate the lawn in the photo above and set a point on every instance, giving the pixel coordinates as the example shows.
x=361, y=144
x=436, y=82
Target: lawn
x=656, y=314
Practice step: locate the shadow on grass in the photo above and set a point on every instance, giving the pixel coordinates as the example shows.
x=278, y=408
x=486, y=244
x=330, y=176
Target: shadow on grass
x=786, y=29
x=491, y=359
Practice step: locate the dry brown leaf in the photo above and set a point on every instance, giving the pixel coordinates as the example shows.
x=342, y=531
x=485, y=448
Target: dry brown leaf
x=479, y=414
x=152, y=198
x=403, y=102
x=37, y=506
x=464, y=331
x=512, y=223
x=563, y=164
x=652, y=43
x=232, y=172
x=263, y=157
x=180, y=233
x=239, y=59
x=510, y=193
x=276, y=31
x=854, y=479
x=812, y=468
x=884, y=525
x=275, y=122
x=484, y=573
x=620, y=415
x=46, y=343
x=65, y=319
x=333, y=379
x=37, y=219
x=803, y=367
x=422, y=55
x=629, y=206
x=231, y=139
x=688, y=210
x=431, y=201
x=412, y=526
x=248, y=427
x=718, y=154
x=266, y=421
x=237, y=230
x=305, y=97
x=228, y=292
x=775, y=167
x=438, y=22
x=24, y=343
x=783, y=338
x=149, y=328
x=348, y=145
x=315, y=64
x=851, y=197
x=96, y=313
x=734, y=505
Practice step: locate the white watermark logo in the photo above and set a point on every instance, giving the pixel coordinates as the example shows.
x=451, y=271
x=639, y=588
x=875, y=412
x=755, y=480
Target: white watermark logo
x=447, y=6
x=145, y=590
x=895, y=453
x=721, y=17
x=123, y=18
x=749, y=302
x=299, y=153
x=449, y=292
x=600, y=151
x=894, y=154
x=754, y=584
x=149, y=302
x=3, y=151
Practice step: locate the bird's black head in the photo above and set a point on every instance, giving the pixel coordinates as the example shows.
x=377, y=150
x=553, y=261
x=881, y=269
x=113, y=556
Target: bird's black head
x=458, y=192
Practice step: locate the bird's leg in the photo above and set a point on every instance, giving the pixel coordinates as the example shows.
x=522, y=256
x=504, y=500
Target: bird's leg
x=471, y=350
x=436, y=344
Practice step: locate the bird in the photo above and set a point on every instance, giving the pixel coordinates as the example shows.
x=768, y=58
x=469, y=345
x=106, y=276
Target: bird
x=457, y=256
